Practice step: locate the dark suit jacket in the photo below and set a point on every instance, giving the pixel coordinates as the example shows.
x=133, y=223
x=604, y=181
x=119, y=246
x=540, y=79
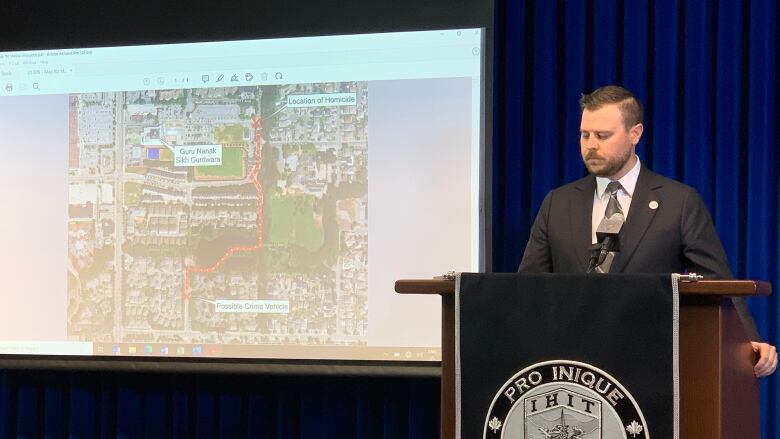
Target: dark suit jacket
x=677, y=236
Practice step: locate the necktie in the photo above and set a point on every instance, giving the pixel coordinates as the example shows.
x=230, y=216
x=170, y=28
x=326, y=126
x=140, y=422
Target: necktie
x=613, y=208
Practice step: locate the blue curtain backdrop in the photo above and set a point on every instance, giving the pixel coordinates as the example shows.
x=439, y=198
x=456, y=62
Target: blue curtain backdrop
x=707, y=73
x=37, y=404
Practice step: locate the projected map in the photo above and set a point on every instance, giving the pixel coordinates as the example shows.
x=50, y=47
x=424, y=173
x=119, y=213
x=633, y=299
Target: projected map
x=233, y=215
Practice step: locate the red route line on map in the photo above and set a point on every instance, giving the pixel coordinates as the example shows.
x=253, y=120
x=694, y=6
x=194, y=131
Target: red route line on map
x=257, y=123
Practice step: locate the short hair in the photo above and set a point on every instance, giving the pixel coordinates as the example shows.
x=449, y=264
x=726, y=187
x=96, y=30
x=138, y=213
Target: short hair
x=629, y=105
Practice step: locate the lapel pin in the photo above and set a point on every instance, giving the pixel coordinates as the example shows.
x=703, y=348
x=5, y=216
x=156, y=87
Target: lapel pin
x=653, y=205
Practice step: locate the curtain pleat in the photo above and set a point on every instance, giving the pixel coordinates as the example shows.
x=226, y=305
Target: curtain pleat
x=697, y=144
x=511, y=172
x=572, y=65
x=706, y=72
x=545, y=162
x=605, y=27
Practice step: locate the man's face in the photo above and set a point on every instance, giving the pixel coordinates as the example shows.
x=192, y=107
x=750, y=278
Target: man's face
x=606, y=145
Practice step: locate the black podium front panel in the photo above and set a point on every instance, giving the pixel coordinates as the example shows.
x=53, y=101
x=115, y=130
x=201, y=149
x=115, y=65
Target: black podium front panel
x=567, y=356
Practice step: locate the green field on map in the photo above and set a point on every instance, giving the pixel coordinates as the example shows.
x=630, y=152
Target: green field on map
x=232, y=165
x=291, y=221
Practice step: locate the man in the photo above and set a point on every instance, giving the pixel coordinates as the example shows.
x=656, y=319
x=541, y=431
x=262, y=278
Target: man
x=667, y=228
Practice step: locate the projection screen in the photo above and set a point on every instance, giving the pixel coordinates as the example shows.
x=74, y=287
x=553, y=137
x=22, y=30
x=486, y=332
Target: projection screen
x=250, y=199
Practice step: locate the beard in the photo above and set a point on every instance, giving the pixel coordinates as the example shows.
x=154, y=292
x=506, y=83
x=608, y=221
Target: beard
x=606, y=166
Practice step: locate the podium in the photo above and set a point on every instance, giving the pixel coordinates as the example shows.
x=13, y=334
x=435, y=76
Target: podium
x=718, y=390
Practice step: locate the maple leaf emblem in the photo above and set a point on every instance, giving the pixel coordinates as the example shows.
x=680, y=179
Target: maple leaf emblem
x=634, y=428
x=494, y=424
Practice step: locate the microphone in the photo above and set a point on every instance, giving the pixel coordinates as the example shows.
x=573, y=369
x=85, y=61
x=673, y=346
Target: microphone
x=608, y=237
x=608, y=231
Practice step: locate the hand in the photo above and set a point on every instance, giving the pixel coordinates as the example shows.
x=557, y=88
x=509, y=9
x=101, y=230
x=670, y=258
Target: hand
x=767, y=359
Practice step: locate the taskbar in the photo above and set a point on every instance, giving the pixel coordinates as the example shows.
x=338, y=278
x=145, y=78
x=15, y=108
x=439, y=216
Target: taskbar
x=302, y=352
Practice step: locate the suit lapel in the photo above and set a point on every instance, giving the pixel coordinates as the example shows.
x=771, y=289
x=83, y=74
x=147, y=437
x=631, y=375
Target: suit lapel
x=640, y=215
x=582, y=225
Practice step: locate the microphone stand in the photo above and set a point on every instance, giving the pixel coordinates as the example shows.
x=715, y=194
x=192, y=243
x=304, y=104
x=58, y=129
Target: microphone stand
x=595, y=251
x=599, y=252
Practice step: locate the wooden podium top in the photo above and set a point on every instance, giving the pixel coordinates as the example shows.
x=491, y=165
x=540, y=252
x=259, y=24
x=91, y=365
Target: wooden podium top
x=702, y=287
